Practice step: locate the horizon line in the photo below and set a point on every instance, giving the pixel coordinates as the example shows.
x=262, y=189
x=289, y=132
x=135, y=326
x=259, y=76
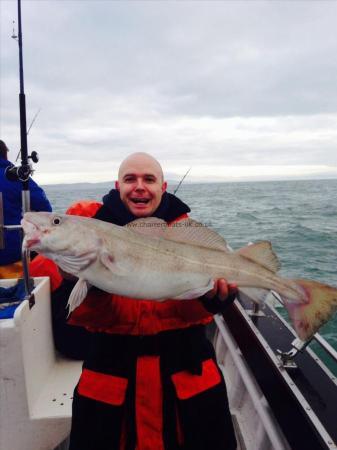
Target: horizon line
x=200, y=181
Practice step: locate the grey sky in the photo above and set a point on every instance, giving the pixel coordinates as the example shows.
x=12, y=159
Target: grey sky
x=234, y=89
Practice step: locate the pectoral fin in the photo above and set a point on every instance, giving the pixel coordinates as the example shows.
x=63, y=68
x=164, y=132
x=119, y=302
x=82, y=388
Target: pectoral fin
x=78, y=294
x=75, y=264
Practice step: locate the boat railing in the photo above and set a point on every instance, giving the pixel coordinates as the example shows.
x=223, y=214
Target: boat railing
x=301, y=395
x=267, y=434
x=297, y=345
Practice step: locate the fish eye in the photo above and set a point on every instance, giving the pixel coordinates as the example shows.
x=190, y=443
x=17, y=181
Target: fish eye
x=56, y=220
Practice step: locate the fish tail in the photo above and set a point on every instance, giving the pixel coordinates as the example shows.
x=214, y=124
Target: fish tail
x=319, y=303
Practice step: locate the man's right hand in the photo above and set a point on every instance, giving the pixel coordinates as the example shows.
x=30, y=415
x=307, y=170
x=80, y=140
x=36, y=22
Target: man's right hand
x=222, y=290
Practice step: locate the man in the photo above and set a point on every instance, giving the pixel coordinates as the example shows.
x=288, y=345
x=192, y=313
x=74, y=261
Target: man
x=10, y=256
x=141, y=194
x=150, y=380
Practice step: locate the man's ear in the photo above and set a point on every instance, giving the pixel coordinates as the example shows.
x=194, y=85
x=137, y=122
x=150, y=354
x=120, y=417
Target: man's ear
x=164, y=186
x=117, y=185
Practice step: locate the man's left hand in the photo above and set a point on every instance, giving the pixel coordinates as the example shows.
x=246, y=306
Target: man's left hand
x=222, y=290
x=222, y=295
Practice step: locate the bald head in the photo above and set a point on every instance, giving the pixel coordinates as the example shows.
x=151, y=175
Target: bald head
x=141, y=184
x=142, y=161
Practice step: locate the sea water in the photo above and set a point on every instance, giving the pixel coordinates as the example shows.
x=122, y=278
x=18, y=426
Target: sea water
x=298, y=217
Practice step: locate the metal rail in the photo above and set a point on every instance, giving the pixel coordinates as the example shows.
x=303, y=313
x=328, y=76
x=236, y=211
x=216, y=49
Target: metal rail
x=327, y=347
x=259, y=401
x=291, y=395
x=28, y=281
x=299, y=345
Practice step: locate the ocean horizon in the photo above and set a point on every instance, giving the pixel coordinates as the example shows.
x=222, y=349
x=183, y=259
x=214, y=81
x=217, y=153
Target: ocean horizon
x=177, y=181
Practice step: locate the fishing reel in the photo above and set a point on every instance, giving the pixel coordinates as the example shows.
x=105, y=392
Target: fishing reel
x=23, y=172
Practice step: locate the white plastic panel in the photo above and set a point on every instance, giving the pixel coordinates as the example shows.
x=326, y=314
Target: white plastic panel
x=32, y=376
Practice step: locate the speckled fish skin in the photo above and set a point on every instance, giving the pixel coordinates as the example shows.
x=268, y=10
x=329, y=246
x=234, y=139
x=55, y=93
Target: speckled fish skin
x=122, y=261
x=142, y=266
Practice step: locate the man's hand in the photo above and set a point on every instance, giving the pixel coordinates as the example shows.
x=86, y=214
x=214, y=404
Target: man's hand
x=222, y=295
x=222, y=290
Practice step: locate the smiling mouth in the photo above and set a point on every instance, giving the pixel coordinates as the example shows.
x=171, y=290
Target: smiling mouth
x=140, y=201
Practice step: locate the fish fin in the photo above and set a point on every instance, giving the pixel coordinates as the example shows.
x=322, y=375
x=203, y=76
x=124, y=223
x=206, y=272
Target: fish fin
x=261, y=253
x=191, y=232
x=186, y=231
x=74, y=264
x=320, y=306
x=256, y=294
x=149, y=226
x=195, y=293
x=78, y=294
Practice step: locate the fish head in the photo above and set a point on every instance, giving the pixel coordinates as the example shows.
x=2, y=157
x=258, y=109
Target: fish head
x=52, y=233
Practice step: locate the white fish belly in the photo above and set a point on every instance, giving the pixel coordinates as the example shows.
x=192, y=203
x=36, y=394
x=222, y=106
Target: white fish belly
x=145, y=284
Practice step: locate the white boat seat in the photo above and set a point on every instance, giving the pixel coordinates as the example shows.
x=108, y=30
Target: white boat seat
x=36, y=383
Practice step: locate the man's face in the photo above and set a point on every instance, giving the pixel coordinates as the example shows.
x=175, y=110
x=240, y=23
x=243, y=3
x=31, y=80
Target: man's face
x=141, y=186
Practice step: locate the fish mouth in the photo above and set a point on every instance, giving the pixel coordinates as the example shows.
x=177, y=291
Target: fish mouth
x=29, y=243
x=32, y=234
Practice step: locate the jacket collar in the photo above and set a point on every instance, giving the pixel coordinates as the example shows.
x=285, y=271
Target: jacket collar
x=114, y=210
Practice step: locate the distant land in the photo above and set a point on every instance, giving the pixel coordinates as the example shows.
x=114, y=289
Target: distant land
x=173, y=182
x=102, y=184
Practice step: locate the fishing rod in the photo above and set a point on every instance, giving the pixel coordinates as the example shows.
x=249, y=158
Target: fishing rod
x=181, y=181
x=34, y=155
x=32, y=122
x=24, y=171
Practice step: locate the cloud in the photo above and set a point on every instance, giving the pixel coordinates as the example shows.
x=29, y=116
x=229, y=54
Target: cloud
x=216, y=85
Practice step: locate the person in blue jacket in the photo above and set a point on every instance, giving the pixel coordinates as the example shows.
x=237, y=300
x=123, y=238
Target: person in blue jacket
x=12, y=211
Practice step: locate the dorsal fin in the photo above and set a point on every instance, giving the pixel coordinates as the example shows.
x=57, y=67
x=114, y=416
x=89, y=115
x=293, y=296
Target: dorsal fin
x=149, y=226
x=261, y=253
x=186, y=231
x=195, y=233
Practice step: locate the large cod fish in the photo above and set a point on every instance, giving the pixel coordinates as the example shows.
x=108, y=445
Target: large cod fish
x=150, y=260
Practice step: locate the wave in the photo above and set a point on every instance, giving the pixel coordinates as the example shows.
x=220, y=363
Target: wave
x=312, y=234
x=246, y=216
